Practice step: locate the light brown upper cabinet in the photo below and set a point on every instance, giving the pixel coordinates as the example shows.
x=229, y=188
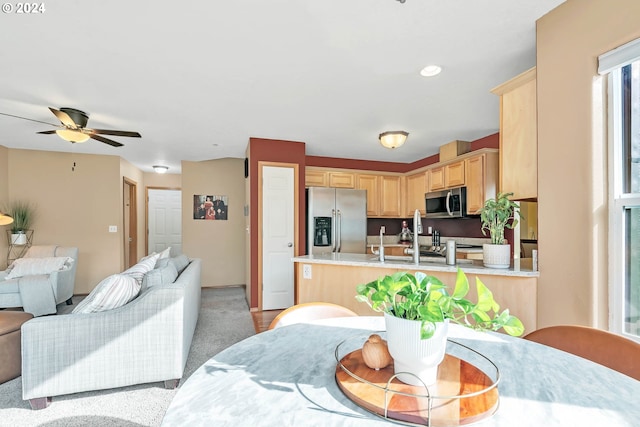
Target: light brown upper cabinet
x=342, y=180
x=329, y=178
x=417, y=185
x=481, y=179
x=315, y=178
x=391, y=196
x=519, y=136
x=447, y=176
x=371, y=184
x=384, y=194
x=436, y=179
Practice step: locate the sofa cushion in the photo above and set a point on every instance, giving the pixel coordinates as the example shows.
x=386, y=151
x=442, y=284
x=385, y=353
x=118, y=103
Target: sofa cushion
x=162, y=262
x=166, y=253
x=145, y=265
x=160, y=276
x=180, y=262
x=11, y=286
x=32, y=266
x=112, y=292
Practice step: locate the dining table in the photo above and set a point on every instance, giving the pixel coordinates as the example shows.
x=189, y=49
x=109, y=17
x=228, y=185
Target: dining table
x=288, y=377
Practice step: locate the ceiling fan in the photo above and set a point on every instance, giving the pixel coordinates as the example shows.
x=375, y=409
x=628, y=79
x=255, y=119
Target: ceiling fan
x=73, y=127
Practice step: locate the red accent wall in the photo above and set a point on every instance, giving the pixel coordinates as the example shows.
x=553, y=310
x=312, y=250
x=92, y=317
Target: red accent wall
x=273, y=150
x=335, y=162
x=490, y=141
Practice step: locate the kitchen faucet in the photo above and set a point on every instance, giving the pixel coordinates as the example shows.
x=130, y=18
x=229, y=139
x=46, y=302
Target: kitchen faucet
x=380, y=250
x=415, y=247
x=417, y=230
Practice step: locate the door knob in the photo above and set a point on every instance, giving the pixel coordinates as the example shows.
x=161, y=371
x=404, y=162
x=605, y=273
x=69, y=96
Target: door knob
x=289, y=244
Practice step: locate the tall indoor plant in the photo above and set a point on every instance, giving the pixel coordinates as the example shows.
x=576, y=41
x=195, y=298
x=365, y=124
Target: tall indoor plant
x=23, y=214
x=496, y=215
x=424, y=306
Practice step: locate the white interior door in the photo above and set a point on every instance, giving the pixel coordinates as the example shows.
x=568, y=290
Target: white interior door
x=165, y=221
x=277, y=237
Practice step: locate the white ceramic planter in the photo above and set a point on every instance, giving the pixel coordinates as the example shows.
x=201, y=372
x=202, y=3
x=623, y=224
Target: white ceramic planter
x=496, y=256
x=19, y=239
x=411, y=354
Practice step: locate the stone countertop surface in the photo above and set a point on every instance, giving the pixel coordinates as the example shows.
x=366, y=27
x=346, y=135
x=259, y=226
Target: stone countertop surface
x=426, y=263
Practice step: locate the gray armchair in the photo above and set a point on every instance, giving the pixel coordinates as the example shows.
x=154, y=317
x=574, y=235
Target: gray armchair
x=60, y=282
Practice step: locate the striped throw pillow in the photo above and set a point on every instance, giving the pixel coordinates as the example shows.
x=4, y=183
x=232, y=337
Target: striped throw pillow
x=141, y=268
x=112, y=292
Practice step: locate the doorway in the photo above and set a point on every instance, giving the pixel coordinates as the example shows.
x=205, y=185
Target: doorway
x=164, y=220
x=130, y=226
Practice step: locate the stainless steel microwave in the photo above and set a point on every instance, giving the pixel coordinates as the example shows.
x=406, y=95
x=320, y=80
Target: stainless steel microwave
x=447, y=203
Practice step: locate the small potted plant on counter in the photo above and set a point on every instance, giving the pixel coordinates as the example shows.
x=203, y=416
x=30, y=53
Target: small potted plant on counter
x=496, y=215
x=417, y=310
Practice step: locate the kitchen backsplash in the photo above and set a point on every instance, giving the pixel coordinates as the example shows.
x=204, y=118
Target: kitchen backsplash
x=470, y=227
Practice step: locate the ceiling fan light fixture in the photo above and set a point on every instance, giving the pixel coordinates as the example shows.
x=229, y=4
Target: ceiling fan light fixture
x=72, y=135
x=393, y=139
x=5, y=219
x=160, y=168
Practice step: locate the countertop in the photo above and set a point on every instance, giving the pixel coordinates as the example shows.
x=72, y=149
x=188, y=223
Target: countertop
x=426, y=263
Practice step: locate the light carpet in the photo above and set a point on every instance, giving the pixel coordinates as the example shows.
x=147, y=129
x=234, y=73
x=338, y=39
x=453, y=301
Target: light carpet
x=224, y=320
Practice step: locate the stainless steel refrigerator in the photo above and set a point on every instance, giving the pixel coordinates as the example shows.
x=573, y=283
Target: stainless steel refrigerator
x=336, y=220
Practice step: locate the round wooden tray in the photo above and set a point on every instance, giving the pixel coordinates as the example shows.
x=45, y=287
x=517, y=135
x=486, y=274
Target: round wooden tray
x=463, y=394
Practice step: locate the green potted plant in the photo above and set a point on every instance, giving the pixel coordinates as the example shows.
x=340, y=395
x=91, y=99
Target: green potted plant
x=23, y=214
x=417, y=310
x=496, y=215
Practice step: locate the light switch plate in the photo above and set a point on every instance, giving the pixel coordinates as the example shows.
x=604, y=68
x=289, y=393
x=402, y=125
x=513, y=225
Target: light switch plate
x=113, y=229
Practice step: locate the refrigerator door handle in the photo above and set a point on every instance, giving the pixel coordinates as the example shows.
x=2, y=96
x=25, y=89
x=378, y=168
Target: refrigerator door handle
x=339, y=231
x=333, y=230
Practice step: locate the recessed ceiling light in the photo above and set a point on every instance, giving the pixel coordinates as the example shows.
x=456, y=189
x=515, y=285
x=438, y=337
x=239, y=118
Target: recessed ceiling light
x=430, y=71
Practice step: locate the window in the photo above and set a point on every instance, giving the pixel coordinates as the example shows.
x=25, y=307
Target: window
x=624, y=199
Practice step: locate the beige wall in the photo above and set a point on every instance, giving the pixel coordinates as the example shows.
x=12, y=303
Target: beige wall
x=572, y=156
x=163, y=180
x=220, y=244
x=4, y=198
x=74, y=207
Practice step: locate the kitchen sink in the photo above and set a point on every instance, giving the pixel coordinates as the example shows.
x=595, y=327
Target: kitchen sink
x=398, y=259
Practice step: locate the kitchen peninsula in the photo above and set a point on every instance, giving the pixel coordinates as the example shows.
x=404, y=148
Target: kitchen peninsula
x=334, y=278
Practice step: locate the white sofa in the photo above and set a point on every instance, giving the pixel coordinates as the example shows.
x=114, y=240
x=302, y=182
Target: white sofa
x=60, y=282
x=147, y=340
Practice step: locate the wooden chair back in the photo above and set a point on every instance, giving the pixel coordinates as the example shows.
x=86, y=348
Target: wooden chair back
x=605, y=348
x=305, y=312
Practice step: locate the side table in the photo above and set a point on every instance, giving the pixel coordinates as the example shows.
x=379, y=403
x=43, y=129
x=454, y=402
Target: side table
x=16, y=248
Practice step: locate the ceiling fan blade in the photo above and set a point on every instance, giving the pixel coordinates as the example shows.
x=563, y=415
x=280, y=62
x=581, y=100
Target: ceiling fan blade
x=113, y=132
x=47, y=132
x=105, y=140
x=64, y=118
x=31, y=120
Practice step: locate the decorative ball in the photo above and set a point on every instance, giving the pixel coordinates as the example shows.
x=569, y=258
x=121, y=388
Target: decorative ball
x=375, y=353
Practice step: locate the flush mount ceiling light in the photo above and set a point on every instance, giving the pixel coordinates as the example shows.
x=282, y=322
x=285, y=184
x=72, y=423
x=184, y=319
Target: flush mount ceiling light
x=72, y=135
x=393, y=139
x=430, y=71
x=160, y=168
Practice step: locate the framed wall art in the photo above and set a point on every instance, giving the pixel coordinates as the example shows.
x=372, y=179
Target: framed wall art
x=210, y=207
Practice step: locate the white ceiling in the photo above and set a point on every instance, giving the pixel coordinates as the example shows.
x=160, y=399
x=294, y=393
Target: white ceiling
x=198, y=78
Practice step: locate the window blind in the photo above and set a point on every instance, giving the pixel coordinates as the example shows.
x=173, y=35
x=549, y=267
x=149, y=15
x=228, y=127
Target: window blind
x=619, y=57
